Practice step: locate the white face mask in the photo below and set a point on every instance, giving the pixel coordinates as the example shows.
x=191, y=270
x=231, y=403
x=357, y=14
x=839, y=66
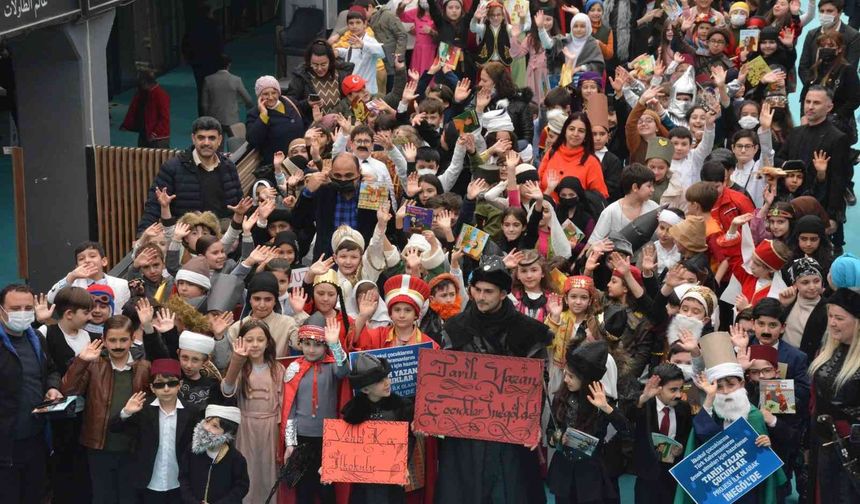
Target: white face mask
x=748, y=122
x=738, y=19
x=426, y=171
x=827, y=19
x=19, y=321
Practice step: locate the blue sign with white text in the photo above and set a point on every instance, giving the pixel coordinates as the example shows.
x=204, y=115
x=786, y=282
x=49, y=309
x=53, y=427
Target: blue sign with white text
x=728, y=466
x=404, y=365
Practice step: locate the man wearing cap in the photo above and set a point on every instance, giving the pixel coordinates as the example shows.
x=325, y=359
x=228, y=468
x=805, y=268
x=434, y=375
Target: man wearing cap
x=214, y=470
x=264, y=306
x=725, y=401
x=161, y=432
x=470, y=470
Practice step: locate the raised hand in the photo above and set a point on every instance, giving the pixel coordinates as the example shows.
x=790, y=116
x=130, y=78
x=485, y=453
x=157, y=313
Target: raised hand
x=740, y=338
x=743, y=356
x=410, y=152
x=463, y=90
x=84, y=271
x=239, y=350
x=652, y=388
x=412, y=258
x=648, y=262
x=417, y=119
x=383, y=214
x=42, y=312
x=298, y=299
x=456, y=256
x=164, y=199
x=249, y=221
x=412, y=187
x=740, y=220
x=368, y=303
x=512, y=159
x=483, y=100
x=332, y=331
x=741, y=302
x=597, y=397
x=259, y=254
x=512, y=258
x=144, y=312
x=242, y=207
x=708, y=387
x=410, y=92
x=554, y=305
x=788, y=295
x=413, y=75
x=383, y=138
x=820, y=159
x=164, y=321
x=593, y=260
x=180, y=231
x=321, y=266
x=221, y=323
x=476, y=187
x=619, y=263
x=92, y=351
x=444, y=218
x=134, y=403
x=688, y=342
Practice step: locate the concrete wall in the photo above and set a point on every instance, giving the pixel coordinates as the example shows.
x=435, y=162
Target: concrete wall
x=61, y=78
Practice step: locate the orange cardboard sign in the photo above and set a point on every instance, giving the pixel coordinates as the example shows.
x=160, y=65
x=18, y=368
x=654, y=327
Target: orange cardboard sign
x=370, y=452
x=477, y=396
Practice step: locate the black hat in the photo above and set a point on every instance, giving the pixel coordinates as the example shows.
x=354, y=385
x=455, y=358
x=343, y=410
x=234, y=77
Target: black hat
x=367, y=370
x=281, y=215
x=793, y=165
x=642, y=228
x=768, y=33
x=810, y=224
x=847, y=299
x=225, y=294
x=492, y=270
x=621, y=243
x=289, y=238
x=588, y=361
x=263, y=281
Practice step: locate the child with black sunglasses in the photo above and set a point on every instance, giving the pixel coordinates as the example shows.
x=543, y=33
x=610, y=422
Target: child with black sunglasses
x=161, y=431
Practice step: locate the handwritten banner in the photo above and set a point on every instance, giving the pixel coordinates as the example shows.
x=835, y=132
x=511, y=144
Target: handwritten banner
x=369, y=452
x=404, y=365
x=726, y=467
x=478, y=396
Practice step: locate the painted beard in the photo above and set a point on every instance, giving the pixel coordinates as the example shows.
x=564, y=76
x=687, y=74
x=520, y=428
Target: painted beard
x=679, y=322
x=203, y=440
x=732, y=406
x=447, y=310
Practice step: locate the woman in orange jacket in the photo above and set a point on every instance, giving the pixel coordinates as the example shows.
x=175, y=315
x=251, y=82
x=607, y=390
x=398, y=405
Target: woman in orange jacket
x=572, y=155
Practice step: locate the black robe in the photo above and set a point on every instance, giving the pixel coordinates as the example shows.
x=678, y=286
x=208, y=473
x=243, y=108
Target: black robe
x=482, y=471
x=227, y=484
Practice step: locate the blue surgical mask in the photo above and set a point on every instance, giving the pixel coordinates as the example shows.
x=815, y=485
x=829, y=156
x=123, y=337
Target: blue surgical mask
x=19, y=321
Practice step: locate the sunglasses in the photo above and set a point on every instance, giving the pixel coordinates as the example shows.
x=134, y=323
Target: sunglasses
x=161, y=385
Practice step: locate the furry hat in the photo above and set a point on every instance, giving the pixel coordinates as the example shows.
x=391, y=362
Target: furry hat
x=208, y=219
x=367, y=370
x=588, y=361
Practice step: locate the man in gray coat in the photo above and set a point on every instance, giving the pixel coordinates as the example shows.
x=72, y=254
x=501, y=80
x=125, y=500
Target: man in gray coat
x=221, y=94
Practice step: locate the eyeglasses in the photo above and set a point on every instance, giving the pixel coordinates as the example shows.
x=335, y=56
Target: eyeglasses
x=744, y=146
x=169, y=383
x=717, y=42
x=756, y=372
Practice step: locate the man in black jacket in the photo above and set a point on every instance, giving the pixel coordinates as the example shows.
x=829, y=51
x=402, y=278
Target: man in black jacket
x=198, y=179
x=472, y=470
x=27, y=377
x=329, y=200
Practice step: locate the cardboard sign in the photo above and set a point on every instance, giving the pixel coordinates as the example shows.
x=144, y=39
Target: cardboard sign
x=404, y=365
x=477, y=396
x=369, y=452
x=727, y=467
x=297, y=276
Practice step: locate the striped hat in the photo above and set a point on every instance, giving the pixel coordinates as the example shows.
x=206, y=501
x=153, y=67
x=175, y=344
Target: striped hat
x=406, y=289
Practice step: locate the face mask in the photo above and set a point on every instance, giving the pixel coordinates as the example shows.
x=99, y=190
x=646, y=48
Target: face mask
x=826, y=53
x=343, y=186
x=827, y=19
x=738, y=19
x=687, y=369
x=426, y=171
x=748, y=122
x=19, y=321
x=567, y=202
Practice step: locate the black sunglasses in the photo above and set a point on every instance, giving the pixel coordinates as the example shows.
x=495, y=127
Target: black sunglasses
x=161, y=385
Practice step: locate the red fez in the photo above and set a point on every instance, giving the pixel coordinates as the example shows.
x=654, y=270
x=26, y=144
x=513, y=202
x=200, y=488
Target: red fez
x=766, y=253
x=765, y=353
x=165, y=367
x=637, y=275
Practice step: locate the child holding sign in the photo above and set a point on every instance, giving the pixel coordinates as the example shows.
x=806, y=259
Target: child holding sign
x=375, y=401
x=310, y=396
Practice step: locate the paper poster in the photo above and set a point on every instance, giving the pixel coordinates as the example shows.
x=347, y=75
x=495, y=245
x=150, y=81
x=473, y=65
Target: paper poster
x=777, y=396
x=371, y=195
x=477, y=396
x=404, y=365
x=449, y=55
x=756, y=69
x=512, y=7
x=673, y=9
x=667, y=448
x=472, y=241
x=749, y=39
x=573, y=233
x=369, y=452
x=727, y=467
x=297, y=276
x=417, y=219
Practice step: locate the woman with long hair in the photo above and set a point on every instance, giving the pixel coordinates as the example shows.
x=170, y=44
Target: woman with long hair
x=572, y=155
x=495, y=83
x=255, y=378
x=832, y=71
x=320, y=75
x=835, y=376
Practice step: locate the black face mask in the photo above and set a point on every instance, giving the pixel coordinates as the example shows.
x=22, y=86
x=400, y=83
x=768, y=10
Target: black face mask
x=565, y=204
x=826, y=53
x=343, y=186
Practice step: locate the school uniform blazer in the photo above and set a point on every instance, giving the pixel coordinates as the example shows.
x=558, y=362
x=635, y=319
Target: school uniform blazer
x=645, y=462
x=143, y=427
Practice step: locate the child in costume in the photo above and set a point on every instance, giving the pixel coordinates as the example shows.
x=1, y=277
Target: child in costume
x=405, y=296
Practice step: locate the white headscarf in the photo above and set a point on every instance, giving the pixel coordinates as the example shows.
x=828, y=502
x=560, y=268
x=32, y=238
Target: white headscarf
x=576, y=43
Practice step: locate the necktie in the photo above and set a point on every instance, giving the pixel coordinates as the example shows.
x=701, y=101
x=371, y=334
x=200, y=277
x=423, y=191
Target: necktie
x=664, y=422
